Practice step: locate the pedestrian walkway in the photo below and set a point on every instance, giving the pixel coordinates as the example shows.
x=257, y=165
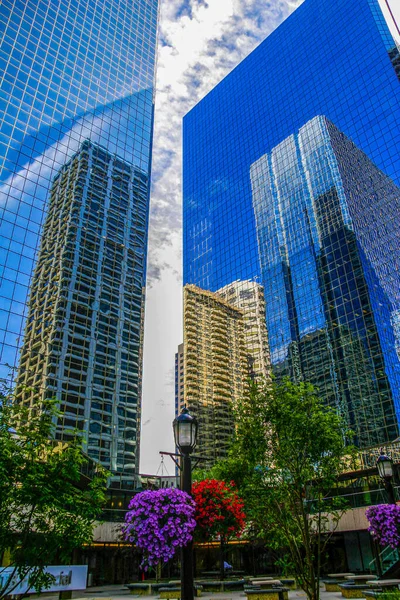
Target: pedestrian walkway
x=116, y=592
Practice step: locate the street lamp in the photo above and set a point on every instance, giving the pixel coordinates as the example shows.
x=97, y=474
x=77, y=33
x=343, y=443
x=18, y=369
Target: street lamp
x=385, y=470
x=185, y=433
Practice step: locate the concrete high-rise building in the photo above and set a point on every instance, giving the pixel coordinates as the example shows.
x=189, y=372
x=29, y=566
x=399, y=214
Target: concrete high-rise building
x=249, y=296
x=215, y=367
x=84, y=335
x=77, y=109
x=331, y=292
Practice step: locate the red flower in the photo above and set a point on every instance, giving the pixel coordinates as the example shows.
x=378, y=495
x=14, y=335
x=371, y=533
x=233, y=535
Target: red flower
x=219, y=510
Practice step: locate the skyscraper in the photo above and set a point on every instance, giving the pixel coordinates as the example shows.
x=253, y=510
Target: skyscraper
x=83, y=340
x=332, y=285
x=249, y=296
x=76, y=71
x=215, y=367
x=337, y=60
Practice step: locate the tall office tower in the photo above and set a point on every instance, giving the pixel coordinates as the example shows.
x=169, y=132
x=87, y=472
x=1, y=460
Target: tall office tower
x=249, y=296
x=83, y=340
x=335, y=59
x=179, y=380
x=333, y=285
x=72, y=71
x=215, y=367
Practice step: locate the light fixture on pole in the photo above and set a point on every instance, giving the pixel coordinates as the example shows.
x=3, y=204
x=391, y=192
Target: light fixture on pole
x=185, y=433
x=384, y=465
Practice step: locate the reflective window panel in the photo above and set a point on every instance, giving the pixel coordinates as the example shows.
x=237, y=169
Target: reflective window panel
x=291, y=175
x=75, y=138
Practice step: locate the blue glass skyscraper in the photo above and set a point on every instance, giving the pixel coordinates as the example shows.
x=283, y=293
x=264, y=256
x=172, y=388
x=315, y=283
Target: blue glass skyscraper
x=77, y=101
x=291, y=174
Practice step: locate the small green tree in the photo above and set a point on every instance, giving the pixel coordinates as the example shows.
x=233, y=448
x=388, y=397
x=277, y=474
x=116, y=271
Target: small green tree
x=287, y=456
x=46, y=508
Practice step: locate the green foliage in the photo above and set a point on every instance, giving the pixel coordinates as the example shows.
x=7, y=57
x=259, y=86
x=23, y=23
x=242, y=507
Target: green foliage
x=288, y=453
x=47, y=509
x=285, y=565
x=392, y=595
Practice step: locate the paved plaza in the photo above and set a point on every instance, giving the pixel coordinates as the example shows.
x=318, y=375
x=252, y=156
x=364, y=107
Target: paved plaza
x=111, y=592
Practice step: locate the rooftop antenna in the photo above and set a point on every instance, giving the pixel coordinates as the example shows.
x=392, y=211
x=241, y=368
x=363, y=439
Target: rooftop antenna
x=392, y=15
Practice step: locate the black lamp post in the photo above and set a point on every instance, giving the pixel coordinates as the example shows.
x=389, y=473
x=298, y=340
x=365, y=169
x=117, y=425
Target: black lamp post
x=385, y=470
x=185, y=433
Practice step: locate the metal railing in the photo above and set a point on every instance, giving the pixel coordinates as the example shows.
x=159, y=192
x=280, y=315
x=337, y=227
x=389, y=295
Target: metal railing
x=387, y=558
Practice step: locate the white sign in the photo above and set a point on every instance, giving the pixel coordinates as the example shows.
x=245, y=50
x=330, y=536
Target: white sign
x=67, y=577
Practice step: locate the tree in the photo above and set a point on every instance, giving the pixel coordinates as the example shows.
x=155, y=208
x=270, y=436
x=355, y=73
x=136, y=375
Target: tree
x=288, y=453
x=46, y=508
x=219, y=512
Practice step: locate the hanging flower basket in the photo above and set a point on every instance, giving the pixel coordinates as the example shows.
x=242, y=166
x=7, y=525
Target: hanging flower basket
x=159, y=522
x=384, y=525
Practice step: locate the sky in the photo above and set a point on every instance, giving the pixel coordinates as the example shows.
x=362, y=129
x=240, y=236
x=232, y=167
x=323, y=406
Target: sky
x=200, y=42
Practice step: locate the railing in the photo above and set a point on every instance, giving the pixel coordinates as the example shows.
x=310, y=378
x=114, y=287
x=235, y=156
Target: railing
x=387, y=558
x=355, y=499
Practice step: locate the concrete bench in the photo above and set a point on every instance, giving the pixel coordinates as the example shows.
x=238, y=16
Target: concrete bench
x=277, y=593
x=170, y=592
x=155, y=587
x=360, y=578
x=217, y=574
x=265, y=584
x=233, y=584
x=174, y=585
x=332, y=585
x=384, y=584
x=380, y=595
x=211, y=586
x=353, y=590
x=251, y=587
x=139, y=589
x=214, y=585
x=290, y=583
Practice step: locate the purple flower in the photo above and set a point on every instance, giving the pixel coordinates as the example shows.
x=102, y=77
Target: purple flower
x=384, y=525
x=159, y=522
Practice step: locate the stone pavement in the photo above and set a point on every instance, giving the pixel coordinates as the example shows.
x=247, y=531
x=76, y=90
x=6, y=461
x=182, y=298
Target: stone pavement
x=116, y=592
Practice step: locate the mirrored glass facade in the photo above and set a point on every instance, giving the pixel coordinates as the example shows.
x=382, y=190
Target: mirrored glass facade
x=332, y=284
x=291, y=175
x=77, y=101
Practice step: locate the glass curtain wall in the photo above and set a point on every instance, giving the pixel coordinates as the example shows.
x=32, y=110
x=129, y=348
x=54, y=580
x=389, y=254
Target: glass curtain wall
x=76, y=123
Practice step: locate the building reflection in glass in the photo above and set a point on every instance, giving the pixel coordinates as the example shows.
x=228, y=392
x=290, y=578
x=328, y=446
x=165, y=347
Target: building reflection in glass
x=328, y=242
x=83, y=339
x=78, y=78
